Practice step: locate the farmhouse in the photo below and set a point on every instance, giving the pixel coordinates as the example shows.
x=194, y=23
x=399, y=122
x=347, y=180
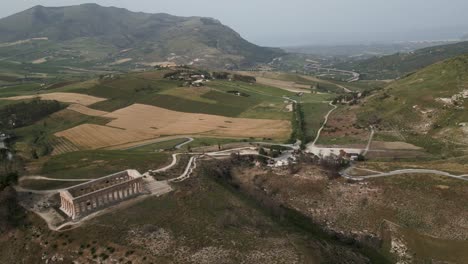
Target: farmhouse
x=83, y=199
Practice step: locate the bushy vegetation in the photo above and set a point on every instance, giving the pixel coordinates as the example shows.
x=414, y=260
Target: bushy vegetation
x=27, y=113
x=298, y=125
x=244, y=78
x=11, y=214
x=8, y=179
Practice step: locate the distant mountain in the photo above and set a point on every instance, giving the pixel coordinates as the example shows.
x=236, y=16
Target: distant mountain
x=401, y=64
x=116, y=35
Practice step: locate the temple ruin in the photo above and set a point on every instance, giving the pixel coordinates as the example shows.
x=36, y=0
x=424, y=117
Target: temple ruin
x=83, y=199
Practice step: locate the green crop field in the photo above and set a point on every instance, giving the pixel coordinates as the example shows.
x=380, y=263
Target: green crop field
x=163, y=145
x=313, y=118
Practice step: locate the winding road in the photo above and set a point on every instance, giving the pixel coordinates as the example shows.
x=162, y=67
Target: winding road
x=189, y=140
x=345, y=174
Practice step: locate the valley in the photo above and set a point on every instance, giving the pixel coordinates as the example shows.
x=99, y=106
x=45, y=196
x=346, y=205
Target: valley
x=149, y=138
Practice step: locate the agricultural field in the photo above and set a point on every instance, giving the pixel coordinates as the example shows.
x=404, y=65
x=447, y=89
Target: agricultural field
x=137, y=123
x=296, y=83
x=313, y=118
x=39, y=137
x=159, y=146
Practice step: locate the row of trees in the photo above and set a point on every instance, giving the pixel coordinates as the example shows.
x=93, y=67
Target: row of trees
x=298, y=125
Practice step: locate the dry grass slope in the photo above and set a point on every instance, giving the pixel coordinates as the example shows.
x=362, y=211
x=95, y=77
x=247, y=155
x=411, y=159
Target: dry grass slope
x=75, y=98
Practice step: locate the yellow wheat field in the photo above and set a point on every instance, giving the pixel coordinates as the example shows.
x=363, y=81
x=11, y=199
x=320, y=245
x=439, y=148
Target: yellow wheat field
x=141, y=122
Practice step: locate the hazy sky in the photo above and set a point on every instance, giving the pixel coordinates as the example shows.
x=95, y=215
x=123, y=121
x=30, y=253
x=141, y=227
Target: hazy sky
x=295, y=22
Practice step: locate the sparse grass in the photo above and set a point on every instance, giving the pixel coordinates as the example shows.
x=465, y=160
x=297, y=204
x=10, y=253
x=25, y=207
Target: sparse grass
x=456, y=167
x=22, y=89
x=314, y=117
x=46, y=185
x=205, y=142
x=429, y=248
x=163, y=145
x=95, y=164
x=226, y=104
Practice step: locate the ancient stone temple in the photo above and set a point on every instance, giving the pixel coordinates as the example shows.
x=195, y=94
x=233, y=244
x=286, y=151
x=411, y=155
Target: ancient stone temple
x=83, y=199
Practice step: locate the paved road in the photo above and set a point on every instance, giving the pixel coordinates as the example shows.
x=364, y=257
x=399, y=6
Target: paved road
x=168, y=167
x=355, y=75
x=189, y=140
x=345, y=174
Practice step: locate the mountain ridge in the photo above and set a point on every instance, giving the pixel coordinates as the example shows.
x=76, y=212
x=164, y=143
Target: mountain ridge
x=154, y=37
x=401, y=64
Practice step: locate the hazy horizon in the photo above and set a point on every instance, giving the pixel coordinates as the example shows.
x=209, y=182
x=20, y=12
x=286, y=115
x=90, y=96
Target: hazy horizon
x=302, y=22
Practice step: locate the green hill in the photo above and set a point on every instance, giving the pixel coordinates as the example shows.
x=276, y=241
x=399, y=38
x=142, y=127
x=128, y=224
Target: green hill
x=401, y=64
x=98, y=35
x=430, y=103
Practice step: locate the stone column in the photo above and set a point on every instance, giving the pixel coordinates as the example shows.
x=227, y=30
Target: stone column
x=67, y=208
x=73, y=210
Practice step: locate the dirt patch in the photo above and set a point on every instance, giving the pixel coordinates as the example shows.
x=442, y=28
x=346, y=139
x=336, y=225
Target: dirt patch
x=398, y=145
x=19, y=42
x=140, y=122
x=76, y=98
x=342, y=123
x=121, y=61
x=290, y=86
x=160, y=64
x=39, y=61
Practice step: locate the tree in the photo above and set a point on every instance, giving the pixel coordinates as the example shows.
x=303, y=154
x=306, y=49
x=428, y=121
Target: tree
x=262, y=151
x=361, y=157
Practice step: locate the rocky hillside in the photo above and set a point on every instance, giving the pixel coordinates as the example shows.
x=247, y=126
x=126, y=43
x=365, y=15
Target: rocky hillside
x=110, y=35
x=430, y=102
